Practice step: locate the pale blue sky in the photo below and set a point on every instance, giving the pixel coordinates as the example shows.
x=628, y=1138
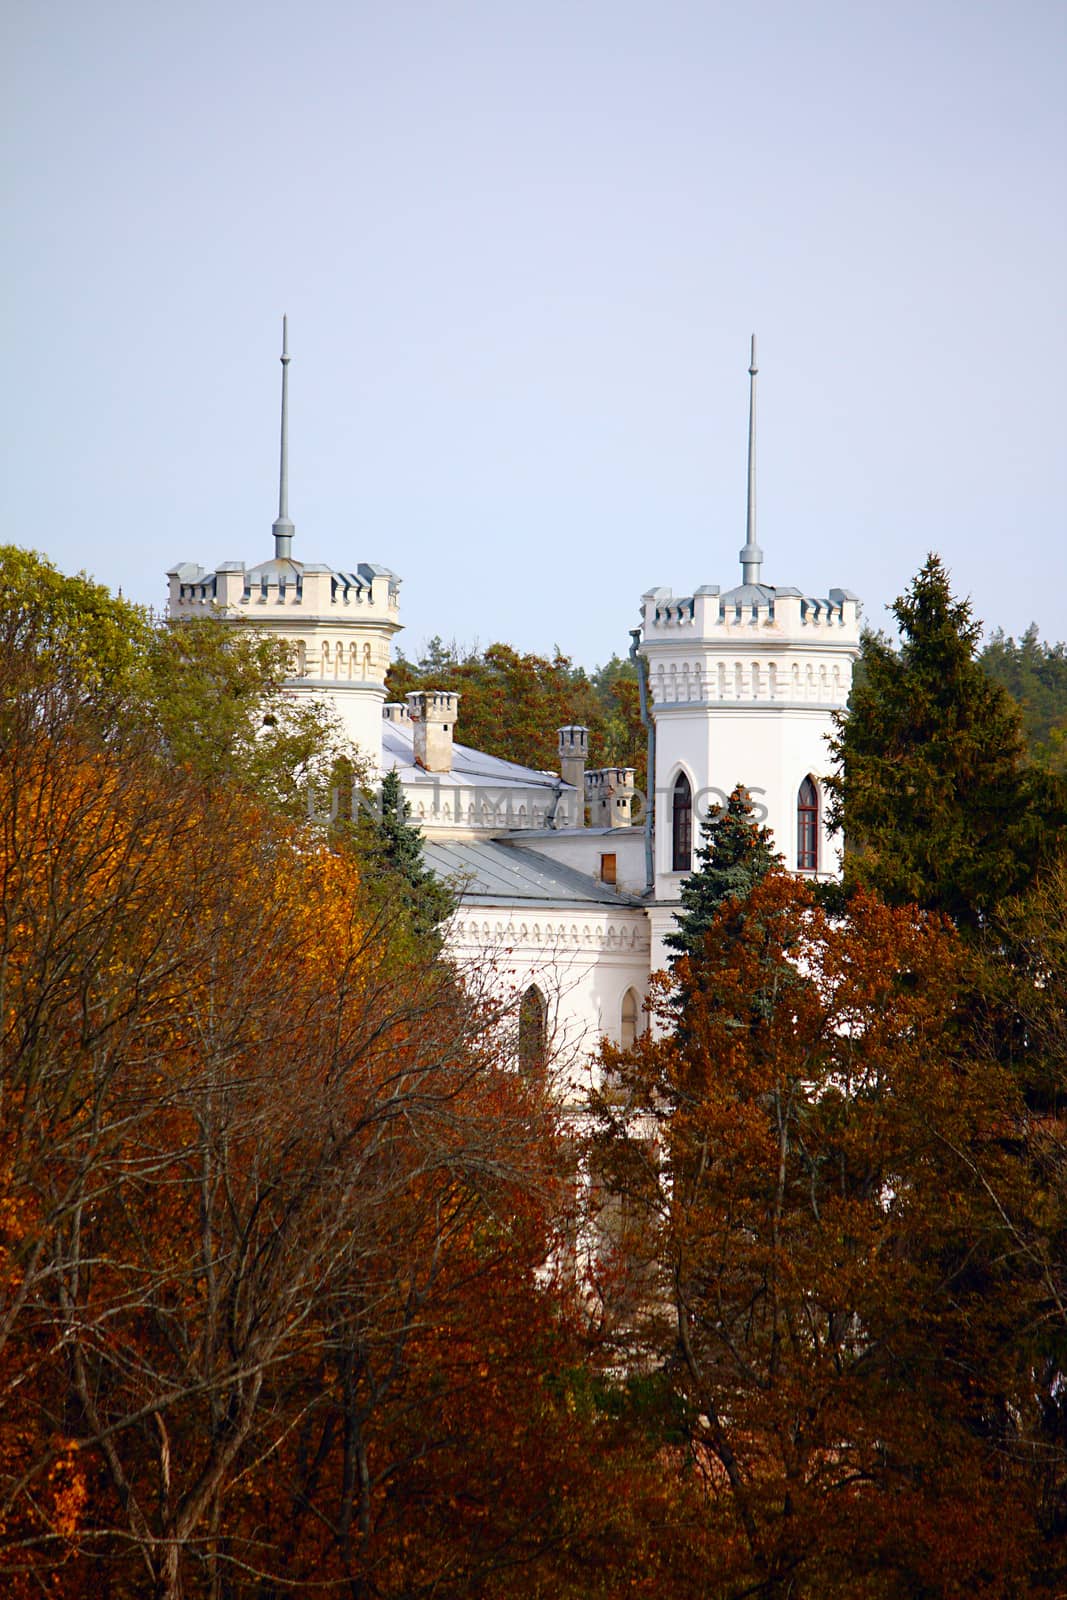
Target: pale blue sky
x=522, y=248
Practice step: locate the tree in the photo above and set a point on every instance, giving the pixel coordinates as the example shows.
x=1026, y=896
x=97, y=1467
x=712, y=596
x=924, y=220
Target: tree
x=1035, y=674
x=281, y=1294
x=390, y=849
x=838, y=1305
x=216, y=695
x=736, y=854
x=207, y=693
x=1030, y=988
x=933, y=789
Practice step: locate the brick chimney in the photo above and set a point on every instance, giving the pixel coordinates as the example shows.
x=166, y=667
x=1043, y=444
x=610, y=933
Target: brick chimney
x=433, y=713
x=573, y=754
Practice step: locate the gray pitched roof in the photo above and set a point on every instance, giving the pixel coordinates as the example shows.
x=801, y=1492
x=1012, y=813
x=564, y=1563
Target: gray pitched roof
x=469, y=767
x=494, y=872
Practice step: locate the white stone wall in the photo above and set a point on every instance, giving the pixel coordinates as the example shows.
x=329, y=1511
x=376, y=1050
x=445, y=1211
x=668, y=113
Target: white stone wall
x=582, y=848
x=446, y=808
x=358, y=707
x=770, y=752
x=583, y=963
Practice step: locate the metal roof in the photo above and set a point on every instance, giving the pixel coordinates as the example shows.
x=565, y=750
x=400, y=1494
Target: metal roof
x=494, y=872
x=469, y=767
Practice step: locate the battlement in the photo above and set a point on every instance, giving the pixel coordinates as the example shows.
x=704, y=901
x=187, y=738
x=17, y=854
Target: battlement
x=753, y=646
x=711, y=615
x=336, y=625
x=283, y=584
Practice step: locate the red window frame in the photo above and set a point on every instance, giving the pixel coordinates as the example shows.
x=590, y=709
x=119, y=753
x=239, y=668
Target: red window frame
x=808, y=827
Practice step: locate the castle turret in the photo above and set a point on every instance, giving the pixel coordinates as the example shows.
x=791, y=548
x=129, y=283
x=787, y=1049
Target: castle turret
x=743, y=687
x=338, y=624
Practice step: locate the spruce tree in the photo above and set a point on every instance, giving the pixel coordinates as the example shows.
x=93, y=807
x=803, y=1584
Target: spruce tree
x=392, y=853
x=735, y=855
x=937, y=799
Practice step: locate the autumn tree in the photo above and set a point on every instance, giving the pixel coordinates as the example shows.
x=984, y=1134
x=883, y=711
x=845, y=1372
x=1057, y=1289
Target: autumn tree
x=825, y=1184
x=280, y=1301
x=937, y=800
x=1030, y=988
x=278, y=1227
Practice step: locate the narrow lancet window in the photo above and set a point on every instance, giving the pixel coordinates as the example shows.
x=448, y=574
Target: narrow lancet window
x=628, y=1029
x=532, y=1032
x=682, y=825
x=808, y=827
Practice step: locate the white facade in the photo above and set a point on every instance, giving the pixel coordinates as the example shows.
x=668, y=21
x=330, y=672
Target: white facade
x=585, y=962
x=742, y=687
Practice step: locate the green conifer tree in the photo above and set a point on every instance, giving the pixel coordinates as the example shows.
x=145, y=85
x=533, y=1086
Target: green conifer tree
x=392, y=851
x=937, y=799
x=735, y=855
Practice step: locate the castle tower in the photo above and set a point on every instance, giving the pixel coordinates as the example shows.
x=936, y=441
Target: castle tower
x=338, y=624
x=743, y=686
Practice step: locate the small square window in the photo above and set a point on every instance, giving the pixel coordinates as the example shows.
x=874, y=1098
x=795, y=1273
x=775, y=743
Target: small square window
x=609, y=869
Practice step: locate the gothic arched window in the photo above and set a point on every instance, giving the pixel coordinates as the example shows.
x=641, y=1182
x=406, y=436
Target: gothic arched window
x=628, y=1030
x=532, y=1031
x=808, y=827
x=682, y=825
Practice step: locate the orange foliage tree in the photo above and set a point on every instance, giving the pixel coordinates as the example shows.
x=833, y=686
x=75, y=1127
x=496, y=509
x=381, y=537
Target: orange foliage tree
x=827, y=1198
x=282, y=1297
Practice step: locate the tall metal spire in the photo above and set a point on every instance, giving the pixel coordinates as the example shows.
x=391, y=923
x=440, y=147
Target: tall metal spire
x=751, y=554
x=283, y=528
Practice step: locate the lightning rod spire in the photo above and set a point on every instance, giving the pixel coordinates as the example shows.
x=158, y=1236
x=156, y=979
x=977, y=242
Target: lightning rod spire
x=751, y=554
x=283, y=527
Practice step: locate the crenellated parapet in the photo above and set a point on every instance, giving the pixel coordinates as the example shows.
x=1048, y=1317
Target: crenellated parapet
x=753, y=645
x=281, y=587
x=748, y=606
x=338, y=623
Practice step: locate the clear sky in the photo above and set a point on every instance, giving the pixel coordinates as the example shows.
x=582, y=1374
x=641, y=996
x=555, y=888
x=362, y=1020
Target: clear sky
x=522, y=247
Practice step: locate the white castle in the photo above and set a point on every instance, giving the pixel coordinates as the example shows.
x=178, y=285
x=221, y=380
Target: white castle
x=566, y=892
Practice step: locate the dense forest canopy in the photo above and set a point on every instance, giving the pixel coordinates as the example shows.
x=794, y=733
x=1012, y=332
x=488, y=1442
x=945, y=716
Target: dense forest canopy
x=1035, y=674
